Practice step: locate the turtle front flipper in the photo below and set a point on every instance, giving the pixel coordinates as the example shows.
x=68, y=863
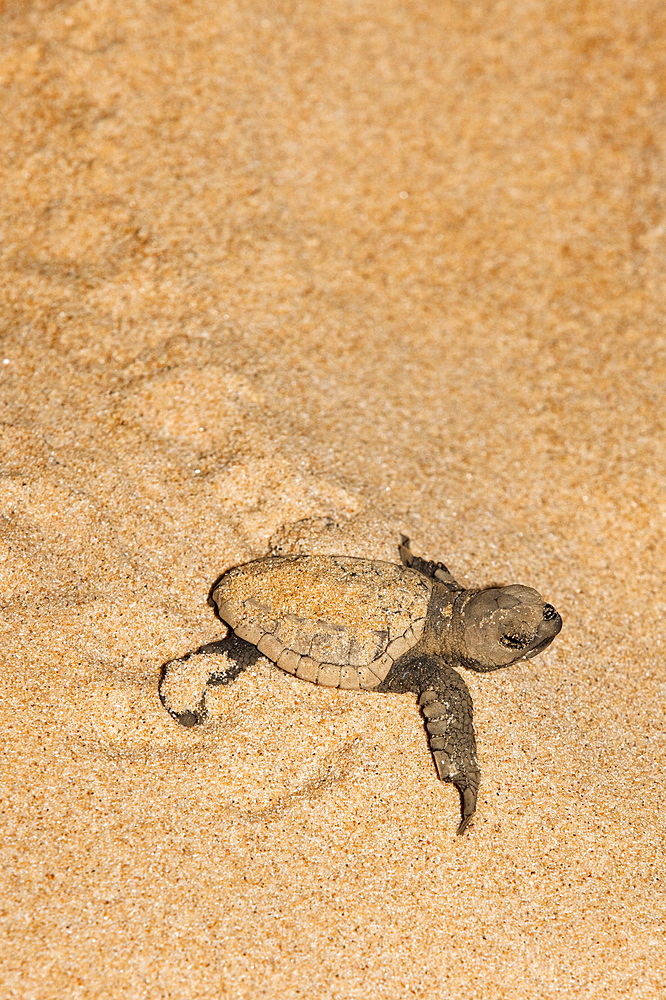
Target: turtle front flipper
x=433, y=570
x=446, y=705
x=185, y=681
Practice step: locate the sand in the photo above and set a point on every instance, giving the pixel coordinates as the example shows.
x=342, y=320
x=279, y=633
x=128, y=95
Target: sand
x=303, y=276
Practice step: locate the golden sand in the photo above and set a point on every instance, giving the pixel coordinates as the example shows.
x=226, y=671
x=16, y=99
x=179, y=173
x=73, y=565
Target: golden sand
x=305, y=276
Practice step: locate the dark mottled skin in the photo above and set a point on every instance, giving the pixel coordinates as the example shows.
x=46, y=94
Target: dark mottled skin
x=480, y=630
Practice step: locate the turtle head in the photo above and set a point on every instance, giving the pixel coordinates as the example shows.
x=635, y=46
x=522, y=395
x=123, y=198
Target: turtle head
x=504, y=624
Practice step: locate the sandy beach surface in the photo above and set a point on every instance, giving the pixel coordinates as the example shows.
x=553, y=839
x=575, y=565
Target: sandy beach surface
x=299, y=277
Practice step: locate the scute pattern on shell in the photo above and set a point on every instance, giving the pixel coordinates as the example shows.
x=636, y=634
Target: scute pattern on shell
x=339, y=621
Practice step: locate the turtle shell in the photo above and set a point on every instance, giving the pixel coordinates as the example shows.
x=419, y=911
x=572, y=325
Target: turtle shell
x=333, y=620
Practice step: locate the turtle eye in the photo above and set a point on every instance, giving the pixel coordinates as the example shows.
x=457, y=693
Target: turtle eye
x=514, y=641
x=549, y=612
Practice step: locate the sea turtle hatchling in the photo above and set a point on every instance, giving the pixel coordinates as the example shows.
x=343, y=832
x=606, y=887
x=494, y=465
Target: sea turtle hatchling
x=353, y=623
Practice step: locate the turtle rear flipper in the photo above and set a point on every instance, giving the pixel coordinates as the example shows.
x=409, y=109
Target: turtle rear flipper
x=185, y=681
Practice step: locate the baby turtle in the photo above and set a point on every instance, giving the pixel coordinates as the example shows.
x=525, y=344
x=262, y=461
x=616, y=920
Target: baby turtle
x=351, y=623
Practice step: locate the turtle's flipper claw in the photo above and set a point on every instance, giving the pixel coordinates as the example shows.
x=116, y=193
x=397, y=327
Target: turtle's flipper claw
x=190, y=718
x=406, y=554
x=468, y=807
